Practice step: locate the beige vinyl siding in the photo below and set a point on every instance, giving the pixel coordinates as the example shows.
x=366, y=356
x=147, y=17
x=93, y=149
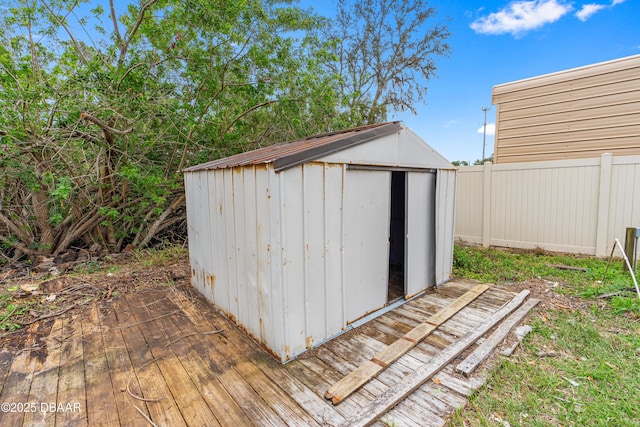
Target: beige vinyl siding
x=573, y=114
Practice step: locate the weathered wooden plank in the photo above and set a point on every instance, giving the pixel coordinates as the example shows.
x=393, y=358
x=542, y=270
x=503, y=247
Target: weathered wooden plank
x=472, y=361
x=262, y=400
x=389, y=399
x=330, y=375
x=381, y=360
x=101, y=406
x=6, y=357
x=286, y=396
x=442, y=393
x=424, y=399
x=151, y=321
x=151, y=388
x=121, y=370
x=71, y=386
x=44, y=386
x=16, y=386
x=206, y=363
x=463, y=386
x=416, y=416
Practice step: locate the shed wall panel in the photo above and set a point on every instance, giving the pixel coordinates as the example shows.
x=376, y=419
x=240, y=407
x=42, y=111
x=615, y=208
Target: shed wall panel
x=220, y=240
x=252, y=303
x=334, y=249
x=207, y=247
x=293, y=259
x=313, y=195
x=228, y=207
x=263, y=259
x=277, y=265
x=240, y=247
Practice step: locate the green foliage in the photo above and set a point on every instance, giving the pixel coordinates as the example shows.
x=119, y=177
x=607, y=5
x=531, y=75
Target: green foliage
x=100, y=113
x=10, y=308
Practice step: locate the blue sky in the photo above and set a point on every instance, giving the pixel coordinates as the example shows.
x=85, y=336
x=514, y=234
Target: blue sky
x=494, y=42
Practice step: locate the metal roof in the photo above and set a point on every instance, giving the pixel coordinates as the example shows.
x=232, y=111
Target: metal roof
x=286, y=155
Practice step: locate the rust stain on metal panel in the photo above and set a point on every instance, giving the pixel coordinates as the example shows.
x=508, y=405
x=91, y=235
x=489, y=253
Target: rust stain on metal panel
x=310, y=342
x=210, y=280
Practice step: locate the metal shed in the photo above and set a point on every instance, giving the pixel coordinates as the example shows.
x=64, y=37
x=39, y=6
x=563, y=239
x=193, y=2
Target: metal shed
x=297, y=241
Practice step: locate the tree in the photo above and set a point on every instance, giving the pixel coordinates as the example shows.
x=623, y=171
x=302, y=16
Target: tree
x=386, y=53
x=460, y=163
x=102, y=109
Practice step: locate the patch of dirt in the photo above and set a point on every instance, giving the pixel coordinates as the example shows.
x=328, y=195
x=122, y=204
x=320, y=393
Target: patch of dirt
x=550, y=298
x=42, y=296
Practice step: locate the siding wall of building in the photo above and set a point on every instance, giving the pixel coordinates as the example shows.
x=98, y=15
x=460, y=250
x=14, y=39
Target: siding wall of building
x=577, y=206
x=577, y=113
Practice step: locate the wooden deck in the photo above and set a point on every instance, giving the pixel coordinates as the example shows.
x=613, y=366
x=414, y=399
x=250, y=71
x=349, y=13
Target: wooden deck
x=165, y=357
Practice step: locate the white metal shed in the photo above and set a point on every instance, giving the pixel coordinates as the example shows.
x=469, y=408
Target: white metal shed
x=296, y=241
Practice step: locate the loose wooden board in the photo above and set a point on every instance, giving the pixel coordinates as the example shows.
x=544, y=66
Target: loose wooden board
x=389, y=399
x=468, y=365
x=368, y=370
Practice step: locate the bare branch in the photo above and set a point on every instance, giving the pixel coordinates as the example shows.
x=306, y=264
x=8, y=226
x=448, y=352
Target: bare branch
x=104, y=126
x=114, y=19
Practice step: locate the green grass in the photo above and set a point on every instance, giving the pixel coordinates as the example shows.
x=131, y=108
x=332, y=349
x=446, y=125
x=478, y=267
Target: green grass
x=505, y=266
x=579, y=367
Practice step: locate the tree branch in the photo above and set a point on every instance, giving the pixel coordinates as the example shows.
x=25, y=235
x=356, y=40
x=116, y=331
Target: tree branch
x=103, y=125
x=114, y=18
x=63, y=25
x=132, y=32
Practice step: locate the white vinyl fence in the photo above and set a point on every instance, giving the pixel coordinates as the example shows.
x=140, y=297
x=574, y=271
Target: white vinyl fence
x=577, y=206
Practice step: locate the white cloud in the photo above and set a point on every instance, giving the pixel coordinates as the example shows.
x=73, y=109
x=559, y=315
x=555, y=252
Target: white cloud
x=450, y=123
x=491, y=129
x=521, y=16
x=588, y=10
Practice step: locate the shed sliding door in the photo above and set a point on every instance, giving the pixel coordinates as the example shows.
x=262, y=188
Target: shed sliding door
x=420, y=232
x=366, y=244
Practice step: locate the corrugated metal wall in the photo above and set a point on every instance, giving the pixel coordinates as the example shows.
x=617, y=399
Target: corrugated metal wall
x=578, y=113
x=577, y=206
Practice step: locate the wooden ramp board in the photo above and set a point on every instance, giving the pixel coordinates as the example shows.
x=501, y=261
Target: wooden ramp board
x=468, y=365
x=368, y=370
x=412, y=382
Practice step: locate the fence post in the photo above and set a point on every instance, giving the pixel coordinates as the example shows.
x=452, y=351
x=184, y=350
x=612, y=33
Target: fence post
x=603, y=206
x=486, y=205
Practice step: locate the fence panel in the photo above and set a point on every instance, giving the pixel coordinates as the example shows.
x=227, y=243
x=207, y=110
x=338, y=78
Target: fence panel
x=577, y=206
